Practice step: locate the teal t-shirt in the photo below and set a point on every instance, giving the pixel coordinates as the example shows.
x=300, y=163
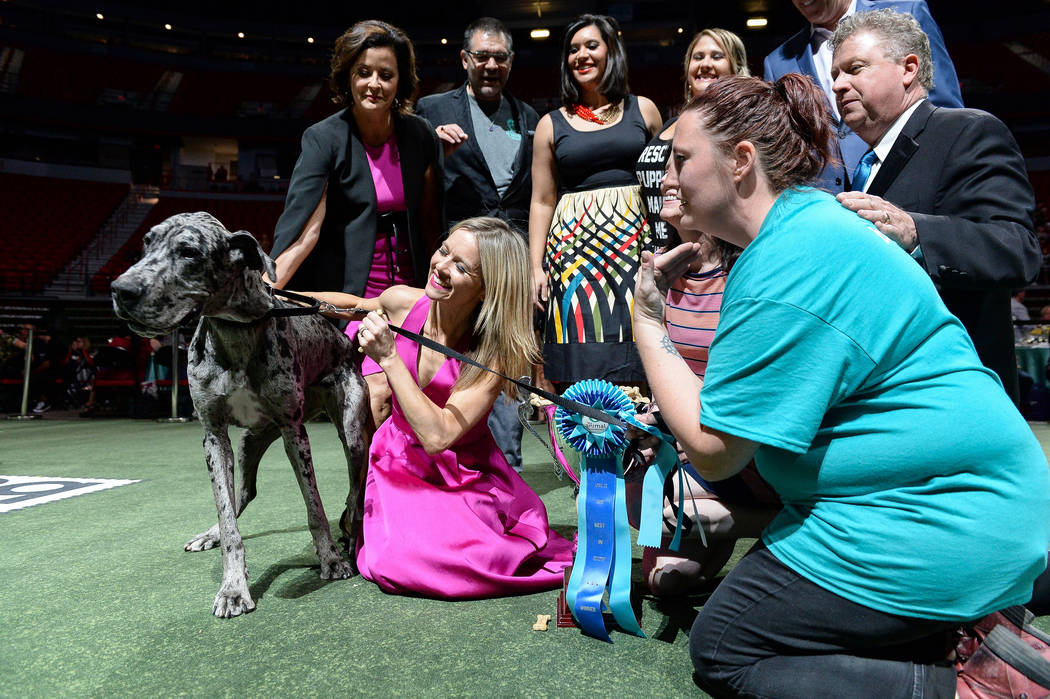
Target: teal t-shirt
x=911, y=484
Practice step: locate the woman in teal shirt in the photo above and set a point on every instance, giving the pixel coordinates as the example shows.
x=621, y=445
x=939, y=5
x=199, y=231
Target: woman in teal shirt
x=915, y=495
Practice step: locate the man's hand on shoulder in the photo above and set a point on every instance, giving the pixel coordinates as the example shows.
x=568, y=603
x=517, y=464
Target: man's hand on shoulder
x=895, y=223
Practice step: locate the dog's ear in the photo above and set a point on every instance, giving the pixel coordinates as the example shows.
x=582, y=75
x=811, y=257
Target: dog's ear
x=248, y=247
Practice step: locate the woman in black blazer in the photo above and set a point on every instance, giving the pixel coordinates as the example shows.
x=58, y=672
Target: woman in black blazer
x=363, y=211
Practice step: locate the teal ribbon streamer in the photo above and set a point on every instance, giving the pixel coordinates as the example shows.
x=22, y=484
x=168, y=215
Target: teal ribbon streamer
x=576, y=577
x=620, y=591
x=652, y=516
x=596, y=550
x=603, y=552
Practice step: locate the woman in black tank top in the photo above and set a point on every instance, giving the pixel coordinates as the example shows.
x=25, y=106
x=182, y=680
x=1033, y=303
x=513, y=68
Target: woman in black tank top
x=587, y=221
x=713, y=53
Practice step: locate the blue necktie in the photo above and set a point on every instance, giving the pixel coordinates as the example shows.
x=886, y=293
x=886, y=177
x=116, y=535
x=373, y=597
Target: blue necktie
x=860, y=175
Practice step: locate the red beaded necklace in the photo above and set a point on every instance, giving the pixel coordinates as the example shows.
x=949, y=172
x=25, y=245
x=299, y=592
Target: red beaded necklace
x=585, y=113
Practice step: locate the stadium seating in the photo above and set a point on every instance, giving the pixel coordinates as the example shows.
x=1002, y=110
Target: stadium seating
x=47, y=221
x=257, y=216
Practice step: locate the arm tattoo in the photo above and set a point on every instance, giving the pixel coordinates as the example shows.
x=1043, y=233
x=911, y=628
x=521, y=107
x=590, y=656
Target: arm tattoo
x=669, y=347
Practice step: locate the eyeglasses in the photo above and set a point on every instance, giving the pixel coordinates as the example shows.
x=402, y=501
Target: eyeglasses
x=482, y=57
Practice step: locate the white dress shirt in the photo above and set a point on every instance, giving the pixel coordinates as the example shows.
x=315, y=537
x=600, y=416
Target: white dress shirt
x=885, y=144
x=821, y=50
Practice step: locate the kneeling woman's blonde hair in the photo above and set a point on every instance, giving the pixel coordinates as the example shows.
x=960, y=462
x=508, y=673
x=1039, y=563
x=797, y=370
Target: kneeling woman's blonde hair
x=504, y=338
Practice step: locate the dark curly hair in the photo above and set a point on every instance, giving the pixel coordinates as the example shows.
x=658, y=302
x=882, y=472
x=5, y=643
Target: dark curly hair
x=368, y=34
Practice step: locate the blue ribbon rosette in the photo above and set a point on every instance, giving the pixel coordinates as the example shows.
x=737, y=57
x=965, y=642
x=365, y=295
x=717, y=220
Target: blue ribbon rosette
x=603, y=552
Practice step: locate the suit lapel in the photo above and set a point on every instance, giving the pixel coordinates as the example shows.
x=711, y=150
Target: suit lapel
x=802, y=54
x=903, y=149
x=803, y=57
x=358, y=159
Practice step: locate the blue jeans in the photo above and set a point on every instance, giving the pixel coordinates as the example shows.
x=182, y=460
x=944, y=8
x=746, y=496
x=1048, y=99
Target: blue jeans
x=768, y=632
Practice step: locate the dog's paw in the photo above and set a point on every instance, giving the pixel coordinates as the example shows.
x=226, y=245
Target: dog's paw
x=336, y=569
x=204, y=540
x=233, y=600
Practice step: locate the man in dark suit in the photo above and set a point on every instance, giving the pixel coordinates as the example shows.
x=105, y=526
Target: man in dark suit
x=809, y=53
x=486, y=135
x=947, y=185
x=486, y=132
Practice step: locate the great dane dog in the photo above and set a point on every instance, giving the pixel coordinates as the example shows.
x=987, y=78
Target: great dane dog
x=249, y=368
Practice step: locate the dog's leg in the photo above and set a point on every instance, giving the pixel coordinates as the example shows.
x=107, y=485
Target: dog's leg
x=297, y=446
x=253, y=446
x=353, y=421
x=233, y=597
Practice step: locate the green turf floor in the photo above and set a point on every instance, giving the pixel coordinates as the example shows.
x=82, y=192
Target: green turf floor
x=97, y=597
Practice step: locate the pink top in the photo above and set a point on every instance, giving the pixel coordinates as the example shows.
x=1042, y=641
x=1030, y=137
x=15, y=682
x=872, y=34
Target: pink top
x=385, y=164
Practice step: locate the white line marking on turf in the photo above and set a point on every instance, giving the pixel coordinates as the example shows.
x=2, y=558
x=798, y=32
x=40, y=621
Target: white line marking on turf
x=18, y=492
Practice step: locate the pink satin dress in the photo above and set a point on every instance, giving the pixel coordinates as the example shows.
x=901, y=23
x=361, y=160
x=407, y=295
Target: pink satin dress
x=461, y=524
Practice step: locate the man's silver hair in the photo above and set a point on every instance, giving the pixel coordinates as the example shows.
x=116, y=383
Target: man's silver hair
x=900, y=35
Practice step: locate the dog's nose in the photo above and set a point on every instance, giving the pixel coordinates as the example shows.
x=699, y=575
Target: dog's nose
x=126, y=289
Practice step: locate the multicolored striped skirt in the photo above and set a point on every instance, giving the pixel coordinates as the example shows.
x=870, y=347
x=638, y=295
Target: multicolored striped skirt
x=593, y=253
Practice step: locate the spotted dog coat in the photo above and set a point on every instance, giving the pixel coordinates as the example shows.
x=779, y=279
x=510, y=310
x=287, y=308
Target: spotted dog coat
x=266, y=374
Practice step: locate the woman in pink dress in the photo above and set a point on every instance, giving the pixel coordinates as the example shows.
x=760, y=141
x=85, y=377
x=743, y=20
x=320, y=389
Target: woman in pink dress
x=445, y=515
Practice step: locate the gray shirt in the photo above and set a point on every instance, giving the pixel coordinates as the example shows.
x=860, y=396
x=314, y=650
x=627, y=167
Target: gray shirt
x=499, y=139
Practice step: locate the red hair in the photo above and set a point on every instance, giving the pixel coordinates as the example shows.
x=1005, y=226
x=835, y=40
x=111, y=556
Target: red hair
x=787, y=121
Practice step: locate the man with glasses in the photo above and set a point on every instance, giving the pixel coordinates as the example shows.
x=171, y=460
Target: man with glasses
x=486, y=133
x=487, y=138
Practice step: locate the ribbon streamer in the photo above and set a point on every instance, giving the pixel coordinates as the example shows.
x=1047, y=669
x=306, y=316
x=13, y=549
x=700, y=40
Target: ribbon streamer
x=603, y=553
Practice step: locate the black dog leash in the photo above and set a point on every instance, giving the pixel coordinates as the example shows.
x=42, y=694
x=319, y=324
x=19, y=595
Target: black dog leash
x=285, y=311
x=567, y=403
x=275, y=311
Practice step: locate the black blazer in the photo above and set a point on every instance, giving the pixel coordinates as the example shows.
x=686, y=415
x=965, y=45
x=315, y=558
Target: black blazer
x=332, y=152
x=961, y=176
x=469, y=188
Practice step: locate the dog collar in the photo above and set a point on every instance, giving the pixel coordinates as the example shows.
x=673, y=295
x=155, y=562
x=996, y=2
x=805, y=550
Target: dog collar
x=283, y=311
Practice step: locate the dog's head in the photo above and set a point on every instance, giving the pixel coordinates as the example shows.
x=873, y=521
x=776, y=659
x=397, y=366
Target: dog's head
x=191, y=266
